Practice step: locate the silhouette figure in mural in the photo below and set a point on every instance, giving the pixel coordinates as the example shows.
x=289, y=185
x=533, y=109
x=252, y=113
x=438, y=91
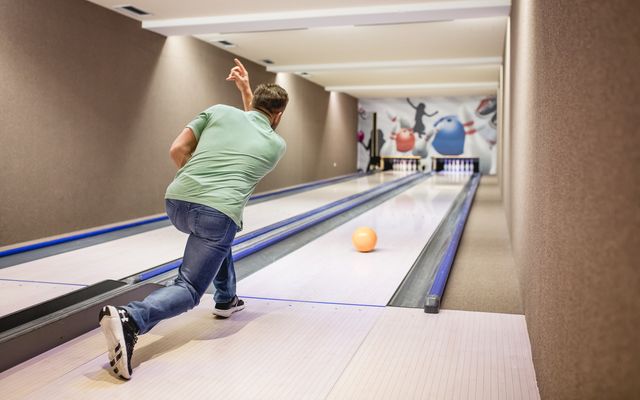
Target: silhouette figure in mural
x=364, y=114
x=367, y=146
x=372, y=160
x=420, y=113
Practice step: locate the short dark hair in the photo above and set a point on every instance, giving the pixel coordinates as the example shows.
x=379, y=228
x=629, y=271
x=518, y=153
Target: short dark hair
x=270, y=97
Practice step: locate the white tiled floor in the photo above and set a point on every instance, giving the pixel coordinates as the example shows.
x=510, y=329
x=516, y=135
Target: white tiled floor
x=271, y=350
x=451, y=355
x=283, y=350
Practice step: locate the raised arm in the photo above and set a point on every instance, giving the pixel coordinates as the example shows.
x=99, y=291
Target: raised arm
x=183, y=147
x=430, y=115
x=240, y=76
x=411, y=104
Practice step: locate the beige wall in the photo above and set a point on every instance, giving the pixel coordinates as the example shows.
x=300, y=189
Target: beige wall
x=572, y=190
x=90, y=103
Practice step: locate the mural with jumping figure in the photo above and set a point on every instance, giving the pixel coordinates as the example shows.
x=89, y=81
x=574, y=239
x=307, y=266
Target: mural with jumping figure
x=430, y=127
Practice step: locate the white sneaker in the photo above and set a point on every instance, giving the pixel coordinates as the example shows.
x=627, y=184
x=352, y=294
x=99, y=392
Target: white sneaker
x=224, y=310
x=121, y=333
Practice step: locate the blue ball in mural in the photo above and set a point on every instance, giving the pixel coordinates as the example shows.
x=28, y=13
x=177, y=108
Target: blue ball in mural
x=449, y=138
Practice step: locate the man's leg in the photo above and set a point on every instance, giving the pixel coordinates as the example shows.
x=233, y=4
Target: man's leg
x=225, y=283
x=202, y=260
x=211, y=235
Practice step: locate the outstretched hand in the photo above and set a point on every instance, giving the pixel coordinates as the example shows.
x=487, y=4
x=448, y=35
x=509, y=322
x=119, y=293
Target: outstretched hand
x=240, y=76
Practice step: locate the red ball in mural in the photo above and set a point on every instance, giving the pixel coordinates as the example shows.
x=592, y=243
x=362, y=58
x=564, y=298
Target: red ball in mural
x=405, y=139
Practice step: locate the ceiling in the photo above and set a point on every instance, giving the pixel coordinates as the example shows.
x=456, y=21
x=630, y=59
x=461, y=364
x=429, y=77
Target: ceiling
x=366, y=48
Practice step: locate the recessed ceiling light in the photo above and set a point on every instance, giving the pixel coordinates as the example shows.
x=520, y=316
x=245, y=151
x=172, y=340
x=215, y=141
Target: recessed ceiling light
x=267, y=61
x=226, y=44
x=133, y=10
x=305, y=74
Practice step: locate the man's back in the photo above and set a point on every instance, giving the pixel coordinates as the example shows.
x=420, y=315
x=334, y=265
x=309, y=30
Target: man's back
x=235, y=150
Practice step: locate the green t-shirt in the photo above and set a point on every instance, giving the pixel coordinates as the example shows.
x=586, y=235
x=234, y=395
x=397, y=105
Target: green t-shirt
x=235, y=150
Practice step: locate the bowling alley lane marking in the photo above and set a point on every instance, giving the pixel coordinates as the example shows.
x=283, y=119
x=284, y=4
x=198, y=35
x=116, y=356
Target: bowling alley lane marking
x=312, y=302
x=43, y=282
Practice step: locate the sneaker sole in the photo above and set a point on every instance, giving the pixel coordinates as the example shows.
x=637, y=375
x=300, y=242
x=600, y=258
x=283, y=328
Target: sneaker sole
x=112, y=330
x=227, y=313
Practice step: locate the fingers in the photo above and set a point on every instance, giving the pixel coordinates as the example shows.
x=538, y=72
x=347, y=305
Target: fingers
x=233, y=75
x=237, y=72
x=239, y=65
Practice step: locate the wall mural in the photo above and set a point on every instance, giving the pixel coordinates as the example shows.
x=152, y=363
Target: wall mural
x=430, y=127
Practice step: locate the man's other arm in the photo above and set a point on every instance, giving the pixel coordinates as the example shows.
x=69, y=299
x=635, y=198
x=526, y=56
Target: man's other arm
x=183, y=147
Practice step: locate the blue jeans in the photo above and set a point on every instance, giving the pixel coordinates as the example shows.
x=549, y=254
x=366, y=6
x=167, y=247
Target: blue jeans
x=207, y=257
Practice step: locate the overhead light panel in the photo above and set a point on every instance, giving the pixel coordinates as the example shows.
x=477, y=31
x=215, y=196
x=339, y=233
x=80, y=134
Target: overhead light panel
x=132, y=10
x=424, y=86
x=328, y=17
x=446, y=62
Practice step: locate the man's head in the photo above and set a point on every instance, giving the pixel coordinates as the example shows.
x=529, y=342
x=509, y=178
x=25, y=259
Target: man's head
x=270, y=99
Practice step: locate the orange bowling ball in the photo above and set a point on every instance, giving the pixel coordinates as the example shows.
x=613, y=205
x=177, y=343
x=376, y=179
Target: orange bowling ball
x=364, y=239
x=405, y=140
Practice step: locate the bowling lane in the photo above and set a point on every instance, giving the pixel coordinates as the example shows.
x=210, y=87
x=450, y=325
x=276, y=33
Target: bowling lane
x=330, y=270
x=127, y=256
x=17, y=295
x=262, y=214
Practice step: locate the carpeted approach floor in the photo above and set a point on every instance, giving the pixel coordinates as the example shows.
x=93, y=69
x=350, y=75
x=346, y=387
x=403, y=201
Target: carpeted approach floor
x=483, y=277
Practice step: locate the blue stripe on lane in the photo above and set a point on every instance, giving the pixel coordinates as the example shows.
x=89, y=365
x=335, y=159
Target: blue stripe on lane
x=53, y=242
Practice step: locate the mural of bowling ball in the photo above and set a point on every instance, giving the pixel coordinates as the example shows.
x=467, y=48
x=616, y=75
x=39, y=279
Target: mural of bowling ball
x=405, y=139
x=360, y=136
x=450, y=136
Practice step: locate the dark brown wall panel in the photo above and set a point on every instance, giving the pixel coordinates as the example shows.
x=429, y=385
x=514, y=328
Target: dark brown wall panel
x=90, y=103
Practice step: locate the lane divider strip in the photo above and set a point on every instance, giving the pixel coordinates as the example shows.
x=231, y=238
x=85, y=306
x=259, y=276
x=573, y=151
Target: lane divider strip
x=434, y=297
